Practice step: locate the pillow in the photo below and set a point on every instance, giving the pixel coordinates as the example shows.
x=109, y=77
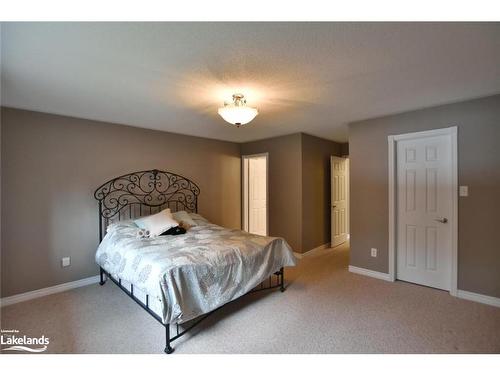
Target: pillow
x=198, y=217
x=143, y=233
x=158, y=223
x=120, y=224
x=184, y=218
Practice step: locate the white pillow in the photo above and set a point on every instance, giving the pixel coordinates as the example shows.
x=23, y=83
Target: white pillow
x=183, y=216
x=157, y=223
x=120, y=224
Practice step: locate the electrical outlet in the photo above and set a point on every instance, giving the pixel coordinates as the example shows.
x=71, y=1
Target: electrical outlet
x=65, y=262
x=464, y=191
x=374, y=252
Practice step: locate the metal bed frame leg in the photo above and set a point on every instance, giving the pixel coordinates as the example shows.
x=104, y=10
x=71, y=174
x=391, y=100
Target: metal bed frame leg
x=102, y=276
x=282, y=281
x=168, y=348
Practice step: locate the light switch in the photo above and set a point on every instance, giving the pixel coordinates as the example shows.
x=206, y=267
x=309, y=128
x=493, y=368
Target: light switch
x=464, y=191
x=65, y=262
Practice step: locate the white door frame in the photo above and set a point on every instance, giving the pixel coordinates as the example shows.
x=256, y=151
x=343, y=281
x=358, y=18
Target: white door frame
x=392, y=140
x=244, y=190
x=348, y=196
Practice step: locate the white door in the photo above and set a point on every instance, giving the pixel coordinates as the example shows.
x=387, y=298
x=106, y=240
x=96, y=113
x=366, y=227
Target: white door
x=255, y=194
x=339, y=200
x=424, y=209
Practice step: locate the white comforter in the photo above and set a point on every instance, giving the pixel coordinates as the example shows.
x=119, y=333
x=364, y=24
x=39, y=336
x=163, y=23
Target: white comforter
x=194, y=273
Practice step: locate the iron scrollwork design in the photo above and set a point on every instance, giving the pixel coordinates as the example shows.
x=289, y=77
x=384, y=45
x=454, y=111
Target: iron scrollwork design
x=152, y=188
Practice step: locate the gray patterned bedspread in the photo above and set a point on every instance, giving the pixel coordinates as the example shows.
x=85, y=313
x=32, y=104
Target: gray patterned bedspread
x=196, y=272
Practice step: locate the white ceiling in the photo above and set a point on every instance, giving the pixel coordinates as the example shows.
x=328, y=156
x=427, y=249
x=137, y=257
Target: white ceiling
x=307, y=77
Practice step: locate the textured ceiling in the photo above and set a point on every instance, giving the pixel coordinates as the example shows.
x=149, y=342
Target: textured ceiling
x=307, y=77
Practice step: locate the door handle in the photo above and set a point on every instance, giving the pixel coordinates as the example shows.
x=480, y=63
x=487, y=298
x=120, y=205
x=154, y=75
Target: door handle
x=442, y=220
x=334, y=205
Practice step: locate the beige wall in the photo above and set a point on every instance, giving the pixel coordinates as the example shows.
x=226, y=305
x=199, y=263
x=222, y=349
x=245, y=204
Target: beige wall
x=344, y=149
x=51, y=166
x=299, y=187
x=285, y=185
x=316, y=193
x=478, y=123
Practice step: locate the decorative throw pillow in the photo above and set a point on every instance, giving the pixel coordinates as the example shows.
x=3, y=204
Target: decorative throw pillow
x=143, y=233
x=158, y=223
x=183, y=216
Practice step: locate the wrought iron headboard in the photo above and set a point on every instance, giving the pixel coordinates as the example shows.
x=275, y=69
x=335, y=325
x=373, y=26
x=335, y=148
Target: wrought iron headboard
x=146, y=192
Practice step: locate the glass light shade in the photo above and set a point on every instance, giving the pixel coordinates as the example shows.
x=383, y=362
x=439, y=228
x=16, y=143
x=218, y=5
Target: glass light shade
x=237, y=113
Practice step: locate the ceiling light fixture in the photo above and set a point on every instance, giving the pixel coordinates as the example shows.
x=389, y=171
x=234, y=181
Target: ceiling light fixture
x=237, y=112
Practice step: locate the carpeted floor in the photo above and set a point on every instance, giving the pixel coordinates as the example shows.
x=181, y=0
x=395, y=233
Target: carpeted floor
x=325, y=309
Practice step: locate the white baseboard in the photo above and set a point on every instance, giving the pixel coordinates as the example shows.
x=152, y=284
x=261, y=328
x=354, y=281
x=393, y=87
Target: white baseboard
x=366, y=272
x=47, y=291
x=481, y=298
x=312, y=251
x=476, y=297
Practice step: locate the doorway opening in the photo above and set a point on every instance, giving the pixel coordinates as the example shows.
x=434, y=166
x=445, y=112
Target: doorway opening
x=255, y=193
x=339, y=200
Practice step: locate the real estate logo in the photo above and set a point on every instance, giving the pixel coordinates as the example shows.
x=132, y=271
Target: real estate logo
x=12, y=340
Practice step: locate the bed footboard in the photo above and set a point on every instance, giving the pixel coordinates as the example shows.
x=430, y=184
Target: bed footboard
x=277, y=280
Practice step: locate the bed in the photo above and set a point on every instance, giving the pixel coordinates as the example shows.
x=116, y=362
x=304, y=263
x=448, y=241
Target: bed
x=179, y=280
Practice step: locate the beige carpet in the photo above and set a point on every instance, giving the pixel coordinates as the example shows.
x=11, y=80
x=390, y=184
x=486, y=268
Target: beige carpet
x=325, y=309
